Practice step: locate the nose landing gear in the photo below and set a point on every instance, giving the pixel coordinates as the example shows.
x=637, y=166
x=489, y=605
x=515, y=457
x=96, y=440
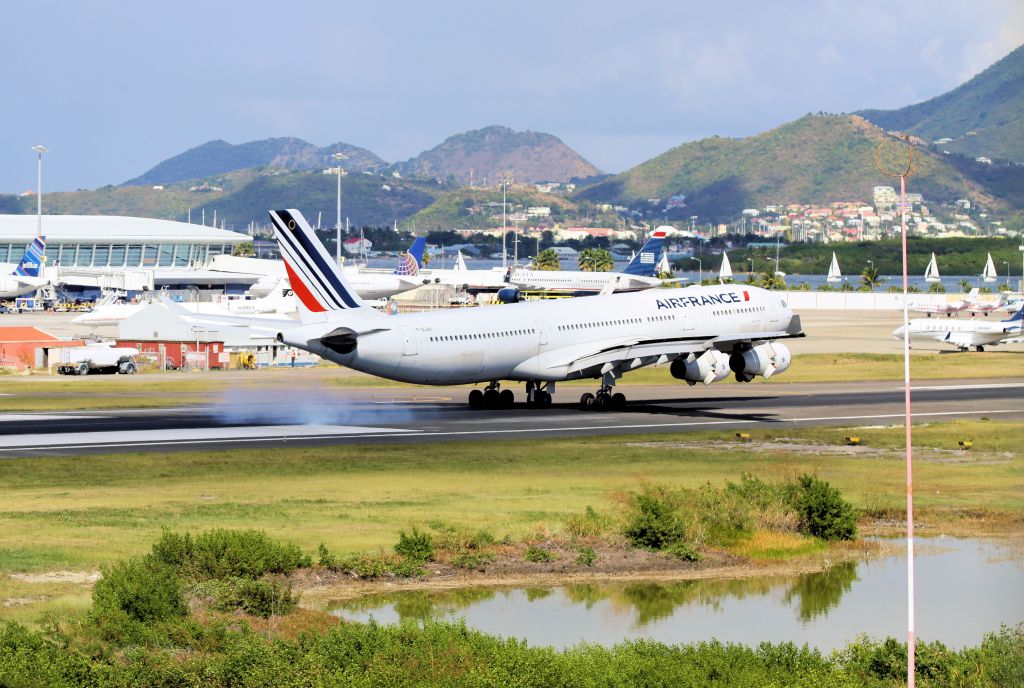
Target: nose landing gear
x=539, y=396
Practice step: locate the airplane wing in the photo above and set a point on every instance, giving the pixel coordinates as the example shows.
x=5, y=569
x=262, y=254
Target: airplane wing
x=263, y=324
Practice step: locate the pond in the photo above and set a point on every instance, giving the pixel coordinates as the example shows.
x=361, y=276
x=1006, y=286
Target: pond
x=965, y=588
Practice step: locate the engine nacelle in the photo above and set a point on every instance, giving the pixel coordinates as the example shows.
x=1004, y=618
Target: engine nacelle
x=711, y=366
x=764, y=359
x=508, y=295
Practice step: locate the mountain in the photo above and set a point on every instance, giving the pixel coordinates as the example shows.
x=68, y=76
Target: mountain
x=815, y=159
x=219, y=157
x=984, y=116
x=493, y=151
x=478, y=208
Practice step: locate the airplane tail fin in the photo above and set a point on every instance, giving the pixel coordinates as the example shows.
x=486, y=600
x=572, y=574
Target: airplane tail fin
x=1016, y=317
x=32, y=261
x=315, y=279
x=972, y=295
x=645, y=262
x=411, y=261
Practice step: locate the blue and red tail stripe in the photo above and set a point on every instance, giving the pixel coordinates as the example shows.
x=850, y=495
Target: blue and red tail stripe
x=311, y=272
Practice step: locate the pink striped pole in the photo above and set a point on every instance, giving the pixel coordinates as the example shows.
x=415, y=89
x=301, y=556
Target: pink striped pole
x=911, y=641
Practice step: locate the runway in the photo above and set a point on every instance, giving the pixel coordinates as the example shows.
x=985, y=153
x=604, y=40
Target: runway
x=317, y=417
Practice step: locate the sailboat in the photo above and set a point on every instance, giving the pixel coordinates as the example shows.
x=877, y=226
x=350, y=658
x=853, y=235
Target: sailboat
x=725, y=272
x=663, y=266
x=931, y=273
x=834, y=275
x=460, y=263
x=989, y=273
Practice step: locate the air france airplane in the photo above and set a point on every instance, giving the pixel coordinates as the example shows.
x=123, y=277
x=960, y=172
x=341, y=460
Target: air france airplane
x=703, y=332
x=26, y=276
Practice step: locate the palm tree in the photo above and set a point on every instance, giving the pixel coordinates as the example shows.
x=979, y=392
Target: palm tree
x=870, y=278
x=596, y=260
x=547, y=260
x=937, y=288
x=770, y=280
x=965, y=286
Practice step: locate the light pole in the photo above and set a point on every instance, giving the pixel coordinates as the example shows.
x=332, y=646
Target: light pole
x=1007, y=264
x=39, y=189
x=751, y=273
x=1021, y=247
x=338, y=158
x=504, y=222
x=700, y=268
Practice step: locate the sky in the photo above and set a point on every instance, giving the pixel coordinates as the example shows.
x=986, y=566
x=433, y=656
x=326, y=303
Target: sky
x=112, y=88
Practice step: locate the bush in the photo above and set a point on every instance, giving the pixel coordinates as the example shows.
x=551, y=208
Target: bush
x=684, y=552
x=256, y=597
x=654, y=523
x=588, y=525
x=408, y=568
x=822, y=511
x=365, y=567
x=538, y=555
x=415, y=546
x=144, y=589
x=223, y=553
x=472, y=561
x=586, y=557
x=326, y=559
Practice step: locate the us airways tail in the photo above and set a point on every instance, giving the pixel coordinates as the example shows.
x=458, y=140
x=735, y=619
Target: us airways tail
x=645, y=262
x=321, y=290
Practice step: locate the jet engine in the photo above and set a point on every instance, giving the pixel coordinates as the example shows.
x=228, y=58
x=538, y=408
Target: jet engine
x=508, y=295
x=711, y=366
x=764, y=359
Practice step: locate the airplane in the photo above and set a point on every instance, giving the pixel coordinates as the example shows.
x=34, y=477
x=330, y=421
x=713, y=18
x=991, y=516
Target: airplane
x=639, y=274
x=703, y=333
x=25, y=277
x=948, y=309
x=963, y=334
x=975, y=305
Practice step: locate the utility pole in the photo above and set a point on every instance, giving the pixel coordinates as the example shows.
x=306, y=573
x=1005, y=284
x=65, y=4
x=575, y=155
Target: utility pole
x=338, y=158
x=39, y=189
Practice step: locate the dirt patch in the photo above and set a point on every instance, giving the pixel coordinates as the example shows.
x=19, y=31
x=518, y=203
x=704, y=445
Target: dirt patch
x=22, y=601
x=81, y=577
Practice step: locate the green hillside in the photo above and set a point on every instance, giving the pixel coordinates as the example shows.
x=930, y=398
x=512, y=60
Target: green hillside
x=219, y=157
x=815, y=159
x=467, y=208
x=984, y=116
x=491, y=152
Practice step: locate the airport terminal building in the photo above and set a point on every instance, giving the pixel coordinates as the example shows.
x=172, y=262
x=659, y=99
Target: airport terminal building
x=80, y=248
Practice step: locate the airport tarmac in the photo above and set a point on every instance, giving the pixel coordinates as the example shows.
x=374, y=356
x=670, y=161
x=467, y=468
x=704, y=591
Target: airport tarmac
x=408, y=414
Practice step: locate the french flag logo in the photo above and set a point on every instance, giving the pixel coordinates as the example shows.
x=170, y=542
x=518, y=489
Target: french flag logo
x=746, y=295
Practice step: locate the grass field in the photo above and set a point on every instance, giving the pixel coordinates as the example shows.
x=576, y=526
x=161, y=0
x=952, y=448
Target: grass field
x=52, y=393
x=80, y=513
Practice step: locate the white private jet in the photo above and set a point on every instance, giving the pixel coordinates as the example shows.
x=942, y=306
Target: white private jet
x=24, y=277
x=703, y=332
x=963, y=334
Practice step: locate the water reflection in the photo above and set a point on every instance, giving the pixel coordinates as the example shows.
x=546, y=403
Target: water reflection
x=825, y=609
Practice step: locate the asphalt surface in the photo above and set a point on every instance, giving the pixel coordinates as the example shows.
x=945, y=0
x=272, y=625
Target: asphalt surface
x=317, y=417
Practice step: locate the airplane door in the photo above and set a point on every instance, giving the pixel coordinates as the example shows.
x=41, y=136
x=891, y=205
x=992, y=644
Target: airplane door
x=542, y=332
x=408, y=341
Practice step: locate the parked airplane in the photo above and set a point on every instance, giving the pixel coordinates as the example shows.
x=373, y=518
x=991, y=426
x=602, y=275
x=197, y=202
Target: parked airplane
x=964, y=334
x=639, y=274
x=703, y=332
x=948, y=309
x=976, y=305
x=25, y=277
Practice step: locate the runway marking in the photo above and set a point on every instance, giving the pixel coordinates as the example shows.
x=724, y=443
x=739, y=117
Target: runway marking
x=21, y=417
x=368, y=433
x=184, y=435
x=933, y=388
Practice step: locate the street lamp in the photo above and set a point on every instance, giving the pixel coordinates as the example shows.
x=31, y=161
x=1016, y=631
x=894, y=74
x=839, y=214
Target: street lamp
x=338, y=158
x=872, y=264
x=504, y=222
x=751, y=273
x=39, y=190
x=1007, y=264
x=700, y=267
x=1021, y=247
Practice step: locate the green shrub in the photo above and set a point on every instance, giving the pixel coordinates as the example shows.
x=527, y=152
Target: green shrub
x=822, y=511
x=326, y=559
x=586, y=556
x=365, y=566
x=684, y=552
x=223, y=553
x=415, y=546
x=538, y=555
x=654, y=522
x=144, y=589
x=408, y=568
x=263, y=598
x=590, y=524
x=472, y=561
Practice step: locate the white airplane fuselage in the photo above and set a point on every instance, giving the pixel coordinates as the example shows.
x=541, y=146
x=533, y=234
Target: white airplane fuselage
x=961, y=333
x=545, y=340
x=572, y=281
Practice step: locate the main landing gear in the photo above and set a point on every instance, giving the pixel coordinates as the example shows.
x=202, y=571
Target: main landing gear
x=604, y=400
x=493, y=397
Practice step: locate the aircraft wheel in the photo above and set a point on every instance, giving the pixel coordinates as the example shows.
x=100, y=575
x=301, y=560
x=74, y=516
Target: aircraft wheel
x=83, y=368
x=602, y=402
x=587, y=402
x=491, y=398
x=543, y=399
x=506, y=399
x=476, y=399
x=618, y=401
x=979, y=348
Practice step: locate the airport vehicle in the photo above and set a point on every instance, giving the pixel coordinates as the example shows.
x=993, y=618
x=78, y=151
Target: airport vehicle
x=98, y=358
x=25, y=277
x=704, y=333
x=963, y=334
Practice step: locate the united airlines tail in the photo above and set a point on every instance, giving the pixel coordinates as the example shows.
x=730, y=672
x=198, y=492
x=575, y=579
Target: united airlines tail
x=313, y=276
x=645, y=262
x=32, y=261
x=411, y=261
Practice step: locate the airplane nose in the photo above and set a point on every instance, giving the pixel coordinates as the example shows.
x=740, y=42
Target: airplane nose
x=898, y=332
